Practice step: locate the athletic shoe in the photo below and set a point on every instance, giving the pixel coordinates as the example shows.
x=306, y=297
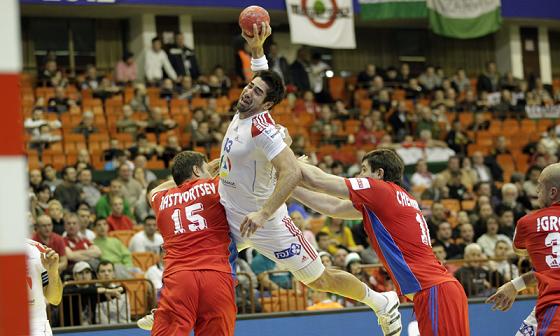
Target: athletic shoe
x=146, y=322
x=389, y=317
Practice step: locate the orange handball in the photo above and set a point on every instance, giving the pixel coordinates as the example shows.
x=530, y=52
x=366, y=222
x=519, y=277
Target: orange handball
x=251, y=15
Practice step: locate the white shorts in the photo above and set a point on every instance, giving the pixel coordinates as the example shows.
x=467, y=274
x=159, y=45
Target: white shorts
x=40, y=328
x=282, y=242
x=529, y=325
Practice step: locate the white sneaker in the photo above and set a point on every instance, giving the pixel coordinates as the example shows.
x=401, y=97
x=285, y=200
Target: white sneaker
x=146, y=322
x=389, y=318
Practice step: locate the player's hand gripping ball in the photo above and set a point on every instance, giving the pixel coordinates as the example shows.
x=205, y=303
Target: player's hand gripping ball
x=252, y=15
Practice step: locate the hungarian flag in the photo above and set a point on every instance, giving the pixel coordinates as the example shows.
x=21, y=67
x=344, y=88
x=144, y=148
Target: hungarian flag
x=464, y=19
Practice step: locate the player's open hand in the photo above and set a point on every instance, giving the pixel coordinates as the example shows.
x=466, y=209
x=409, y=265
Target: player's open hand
x=214, y=167
x=49, y=259
x=503, y=299
x=251, y=223
x=257, y=40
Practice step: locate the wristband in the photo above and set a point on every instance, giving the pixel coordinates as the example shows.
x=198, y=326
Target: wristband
x=258, y=64
x=518, y=283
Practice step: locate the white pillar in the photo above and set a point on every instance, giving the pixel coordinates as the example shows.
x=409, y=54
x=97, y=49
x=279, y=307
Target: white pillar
x=142, y=31
x=509, y=55
x=544, y=56
x=186, y=27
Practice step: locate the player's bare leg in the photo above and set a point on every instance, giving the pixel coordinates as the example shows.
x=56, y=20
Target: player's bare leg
x=385, y=305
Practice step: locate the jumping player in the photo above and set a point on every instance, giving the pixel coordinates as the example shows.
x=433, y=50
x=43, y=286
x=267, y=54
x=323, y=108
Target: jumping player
x=43, y=282
x=258, y=172
x=199, y=275
x=537, y=235
x=398, y=233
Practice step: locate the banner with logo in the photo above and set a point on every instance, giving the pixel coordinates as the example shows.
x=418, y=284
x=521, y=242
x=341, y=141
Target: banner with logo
x=322, y=23
x=464, y=19
x=393, y=9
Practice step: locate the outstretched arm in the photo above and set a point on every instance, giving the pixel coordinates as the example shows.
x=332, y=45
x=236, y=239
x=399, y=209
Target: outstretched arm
x=327, y=205
x=316, y=179
x=505, y=296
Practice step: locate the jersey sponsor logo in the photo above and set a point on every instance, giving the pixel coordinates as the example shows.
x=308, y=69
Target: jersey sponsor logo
x=359, y=183
x=293, y=250
x=526, y=330
x=225, y=166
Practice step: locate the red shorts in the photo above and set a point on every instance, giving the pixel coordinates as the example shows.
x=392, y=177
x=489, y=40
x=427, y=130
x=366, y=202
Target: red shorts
x=442, y=310
x=548, y=321
x=199, y=300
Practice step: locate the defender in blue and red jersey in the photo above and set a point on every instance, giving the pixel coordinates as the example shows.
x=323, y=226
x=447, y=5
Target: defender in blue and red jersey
x=397, y=232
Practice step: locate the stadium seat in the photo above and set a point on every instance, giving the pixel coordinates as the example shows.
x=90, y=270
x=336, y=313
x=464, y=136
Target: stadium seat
x=138, y=299
x=123, y=235
x=467, y=205
x=336, y=87
x=451, y=204
x=144, y=260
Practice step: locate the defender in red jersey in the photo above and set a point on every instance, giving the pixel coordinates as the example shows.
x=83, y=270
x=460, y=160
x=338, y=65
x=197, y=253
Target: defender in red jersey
x=397, y=232
x=199, y=275
x=538, y=236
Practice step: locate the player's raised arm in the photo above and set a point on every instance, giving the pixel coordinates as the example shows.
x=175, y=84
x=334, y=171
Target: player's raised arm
x=316, y=179
x=255, y=42
x=53, y=291
x=327, y=205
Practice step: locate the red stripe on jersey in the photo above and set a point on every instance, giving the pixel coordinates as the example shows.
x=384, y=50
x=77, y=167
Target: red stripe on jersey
x=297, y=233
x=38, y=245
x=14, y=306
x=260, y=123
x=11, y=136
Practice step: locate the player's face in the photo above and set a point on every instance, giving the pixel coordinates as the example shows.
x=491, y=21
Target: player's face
x=253, y=96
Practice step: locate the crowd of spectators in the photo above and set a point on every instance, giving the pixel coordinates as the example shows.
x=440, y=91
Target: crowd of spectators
x=471, y=206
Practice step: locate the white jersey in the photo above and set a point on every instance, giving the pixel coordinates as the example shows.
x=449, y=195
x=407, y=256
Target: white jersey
x=37, y=278
x=247, y=177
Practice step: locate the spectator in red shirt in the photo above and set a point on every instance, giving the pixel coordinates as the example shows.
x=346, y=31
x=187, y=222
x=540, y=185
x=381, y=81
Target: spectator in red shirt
x=78, y=248
x=44, y=234
x=368, y=133
x=118, y=220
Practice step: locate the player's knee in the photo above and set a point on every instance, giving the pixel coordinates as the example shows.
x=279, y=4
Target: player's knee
x=322, y=283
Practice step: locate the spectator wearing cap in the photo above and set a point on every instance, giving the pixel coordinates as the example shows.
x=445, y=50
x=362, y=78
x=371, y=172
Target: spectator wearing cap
x=44, y=234
x=118, y=220
x=147, y=240
x=85, y=296
x=125, y=70
x=78, y=248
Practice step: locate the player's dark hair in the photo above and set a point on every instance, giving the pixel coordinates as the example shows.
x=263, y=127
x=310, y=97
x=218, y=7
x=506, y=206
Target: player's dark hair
x=389, y=161
x=183, y=165
x=276, y=91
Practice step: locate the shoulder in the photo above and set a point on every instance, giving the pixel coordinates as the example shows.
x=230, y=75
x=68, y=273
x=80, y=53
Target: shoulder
x=262, y=123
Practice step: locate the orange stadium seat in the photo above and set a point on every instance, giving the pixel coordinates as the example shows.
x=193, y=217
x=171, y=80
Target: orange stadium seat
x=451, y=204
x=336, y=87
x=468, y=205
x=144, y=260
x=138, y=297
x=123, y=235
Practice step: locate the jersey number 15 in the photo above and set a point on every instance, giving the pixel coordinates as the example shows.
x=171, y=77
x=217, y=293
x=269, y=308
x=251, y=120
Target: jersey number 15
x=197, y=222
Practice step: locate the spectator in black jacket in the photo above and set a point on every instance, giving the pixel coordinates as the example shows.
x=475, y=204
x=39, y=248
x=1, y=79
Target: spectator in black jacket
x=489, y=80
x=68, y=193
x=299, y=70
x=183, y=59
x=278, y=63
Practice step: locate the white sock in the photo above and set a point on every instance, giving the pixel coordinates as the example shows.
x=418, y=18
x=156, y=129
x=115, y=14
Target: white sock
x=373, y=299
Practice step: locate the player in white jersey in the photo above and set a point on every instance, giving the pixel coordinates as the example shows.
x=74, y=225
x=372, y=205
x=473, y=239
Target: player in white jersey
x=505, y=296
x=43, y=281
x=258, y=172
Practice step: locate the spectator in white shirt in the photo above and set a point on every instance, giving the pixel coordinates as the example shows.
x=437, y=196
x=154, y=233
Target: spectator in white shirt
x=33, y=124
x=147, y=240
x=422, y=176
x=488, y=240
x=155, y=275
x=157, y=61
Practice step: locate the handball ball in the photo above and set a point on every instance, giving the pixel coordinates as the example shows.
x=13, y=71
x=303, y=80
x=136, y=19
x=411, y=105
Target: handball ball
x=250, y=15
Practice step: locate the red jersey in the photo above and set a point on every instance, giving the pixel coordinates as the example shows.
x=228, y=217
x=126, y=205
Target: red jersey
x=539, y=234
x=121, y=222
x=194, y=228
x=77, y=244
x=398, y=233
